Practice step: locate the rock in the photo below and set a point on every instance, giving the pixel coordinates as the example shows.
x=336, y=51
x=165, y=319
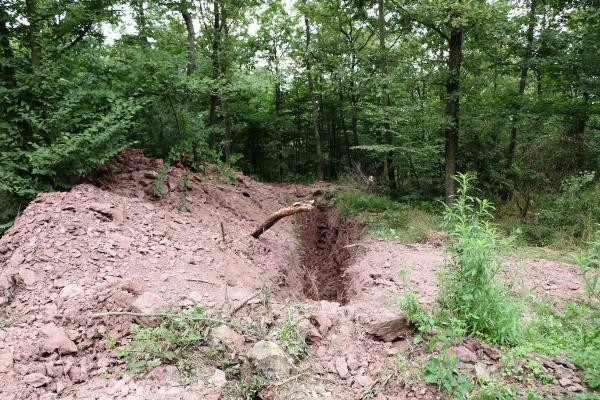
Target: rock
x=342, y=367
x=322, y=322
x=576, y=388
x=36, y=379
x=57, y=339
x=463, y=354
x=481, y=371
x=270, y=359
x=69, y=291
x=131, y=286
x=437, y=239
x=6, y=361
x=565, y=381
x=28, y=276
x=391, y=329
x=149, y=302
x=218, y=379
x=492, y=352
x=229, y=337
x=363, y=380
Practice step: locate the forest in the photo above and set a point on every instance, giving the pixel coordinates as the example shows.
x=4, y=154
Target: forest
x=299, y=199
x=405, y=92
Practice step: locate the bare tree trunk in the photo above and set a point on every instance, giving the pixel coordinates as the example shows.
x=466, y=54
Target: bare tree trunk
x=8, y=72
x=388, y=173
x=278, y=117
x=452, y=112
x=299, y=207
x=522, y=82
x=191, y=41
x=212, y=114
x=343, y=124
x=32, y=18
x=315, y=112
x=224, y=95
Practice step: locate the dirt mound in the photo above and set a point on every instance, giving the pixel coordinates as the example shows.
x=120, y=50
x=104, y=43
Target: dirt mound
x=110, y=245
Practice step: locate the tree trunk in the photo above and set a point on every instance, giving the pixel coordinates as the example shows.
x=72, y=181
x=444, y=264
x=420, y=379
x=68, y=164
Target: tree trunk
x=452, y=112
x=353, y=102
x=140, y=20
x=522, y=82
x=8, y=71
x=343, y=124
x=311, y=90
x=224, y=95
x=388, y=172
x=278, y=117
x=212, y=113
x=32, y=18
x=191, y=41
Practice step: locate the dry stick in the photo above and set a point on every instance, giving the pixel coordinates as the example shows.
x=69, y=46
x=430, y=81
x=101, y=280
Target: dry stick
x=378, y=380
x=156, y=315
x=238, y=308
x=291, y=378
x=298, y=207
x=222, y=231
x=201, y=280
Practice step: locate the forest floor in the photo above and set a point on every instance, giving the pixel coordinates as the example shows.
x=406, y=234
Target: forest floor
x=111, y=246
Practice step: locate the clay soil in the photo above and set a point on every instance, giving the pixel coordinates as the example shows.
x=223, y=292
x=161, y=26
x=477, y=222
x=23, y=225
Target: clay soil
x=109, y=245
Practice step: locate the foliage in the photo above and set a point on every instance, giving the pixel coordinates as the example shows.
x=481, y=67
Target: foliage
x=469, y=290
x=177, y=336
x=589, y=265
x=443, y=371
x=385, y=217
x=288, y=335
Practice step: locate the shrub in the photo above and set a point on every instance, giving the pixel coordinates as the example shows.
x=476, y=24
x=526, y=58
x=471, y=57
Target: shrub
x=469, y=290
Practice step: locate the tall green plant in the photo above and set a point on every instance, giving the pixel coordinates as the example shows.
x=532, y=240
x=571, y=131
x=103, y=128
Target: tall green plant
x=469, y=289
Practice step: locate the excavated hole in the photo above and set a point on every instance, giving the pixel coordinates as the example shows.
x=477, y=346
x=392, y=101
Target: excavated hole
x=325, y=252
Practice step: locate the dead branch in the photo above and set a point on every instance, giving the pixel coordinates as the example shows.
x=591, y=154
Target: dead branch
x=298, y=207
x=243, y=304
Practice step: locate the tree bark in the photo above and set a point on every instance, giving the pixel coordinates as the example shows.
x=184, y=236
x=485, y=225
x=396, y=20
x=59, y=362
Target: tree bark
x=522, y=82
x=212, y=113
x=452, y=112
x=388, y=173
x=315, y=112
x=224, y=95
x=32, y=18
x=8, y=71
x=278, y=116
x=191, y=41
x=299, y=207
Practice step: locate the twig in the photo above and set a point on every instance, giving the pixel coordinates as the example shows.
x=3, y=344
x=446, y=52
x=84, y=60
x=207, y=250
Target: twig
x=223, y=232
x=291, y=378
x=378, y=380
x=201, y=280
x=238, y=308
x=157, y=315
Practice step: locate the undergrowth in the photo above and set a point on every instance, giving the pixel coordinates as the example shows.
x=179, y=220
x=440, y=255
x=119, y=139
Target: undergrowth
x=384, y=217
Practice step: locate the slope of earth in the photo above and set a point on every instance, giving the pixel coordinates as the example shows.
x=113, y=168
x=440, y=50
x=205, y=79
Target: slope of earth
x=110, y=246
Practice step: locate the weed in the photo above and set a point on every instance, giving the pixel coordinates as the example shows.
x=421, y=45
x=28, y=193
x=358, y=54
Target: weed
x=469, y=290
x=183, y=205
x=589, y=264
x=170, y=342
x=442, y=370
x=289, y=337
x=186, y=181
x=159, y=181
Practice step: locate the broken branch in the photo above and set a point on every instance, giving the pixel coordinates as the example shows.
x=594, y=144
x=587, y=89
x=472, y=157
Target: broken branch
x=298, y=207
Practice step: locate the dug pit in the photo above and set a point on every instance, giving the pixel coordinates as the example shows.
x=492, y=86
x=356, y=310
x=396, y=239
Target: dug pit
x=326, y=252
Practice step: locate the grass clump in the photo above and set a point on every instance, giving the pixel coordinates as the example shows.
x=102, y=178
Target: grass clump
x=171, y=342
x=384, y=217
x=470, y=293
x=288, y=335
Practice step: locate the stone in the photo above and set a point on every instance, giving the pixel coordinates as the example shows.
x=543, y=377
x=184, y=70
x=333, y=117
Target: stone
x=28, y=276
x=229, y=337
x=6, y=361
x=218, y=379
x=342, y=367
x=481, y=371
x=270, y=359
x=565, y=381
x=390, y=329
x=463, y=354
x=36, y=379
x=363, y=380
x=492, y=352
x=132, y=286
x=149, y=302
x=57, y=339
x=69, y=291
x=322, y=322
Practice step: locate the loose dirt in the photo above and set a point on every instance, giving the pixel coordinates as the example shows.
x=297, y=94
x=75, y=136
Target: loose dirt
x=110, y=245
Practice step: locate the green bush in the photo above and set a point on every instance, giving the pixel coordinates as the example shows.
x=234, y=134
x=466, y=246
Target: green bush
x=469, y=289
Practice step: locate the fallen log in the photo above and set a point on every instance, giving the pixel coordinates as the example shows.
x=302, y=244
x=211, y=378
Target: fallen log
x=298, y=207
